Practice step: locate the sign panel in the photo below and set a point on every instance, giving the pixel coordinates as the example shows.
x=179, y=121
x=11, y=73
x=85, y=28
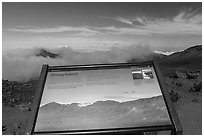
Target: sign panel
x=101, y=99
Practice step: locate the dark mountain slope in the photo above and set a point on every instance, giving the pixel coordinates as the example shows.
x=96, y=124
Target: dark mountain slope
x=44, y=53
x=190, y=58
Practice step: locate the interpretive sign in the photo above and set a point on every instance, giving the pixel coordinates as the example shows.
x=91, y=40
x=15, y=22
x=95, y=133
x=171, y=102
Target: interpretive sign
x=102, y=99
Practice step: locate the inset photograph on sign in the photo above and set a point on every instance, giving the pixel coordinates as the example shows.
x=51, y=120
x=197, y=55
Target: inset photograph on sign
x=101, y=99
x=137, y=74
x=147, y=74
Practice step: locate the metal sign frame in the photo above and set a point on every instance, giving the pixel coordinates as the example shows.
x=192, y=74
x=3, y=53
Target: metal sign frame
x=175, y=128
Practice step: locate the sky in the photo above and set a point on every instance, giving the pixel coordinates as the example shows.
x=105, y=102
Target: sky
x=167, y=26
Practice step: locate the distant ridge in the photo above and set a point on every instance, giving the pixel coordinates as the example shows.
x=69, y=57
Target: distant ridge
x=103, y=114
x=107, y=102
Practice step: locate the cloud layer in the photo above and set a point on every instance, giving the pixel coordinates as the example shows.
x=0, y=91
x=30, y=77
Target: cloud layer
x=22, y=64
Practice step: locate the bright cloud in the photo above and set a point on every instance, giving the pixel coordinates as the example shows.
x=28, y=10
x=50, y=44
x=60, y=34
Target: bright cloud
x=124, y=20
x=15, y=61
x=189, y=16
x=187, y=21
x=78, y=30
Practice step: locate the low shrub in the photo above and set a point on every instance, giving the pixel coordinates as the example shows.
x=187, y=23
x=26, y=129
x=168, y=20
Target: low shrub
x=191, y=76
x=197, y=87
x=174, y=96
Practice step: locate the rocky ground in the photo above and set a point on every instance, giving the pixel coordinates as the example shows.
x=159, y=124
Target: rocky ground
x=186, y=93
x=16, y=105
x=185, y=89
